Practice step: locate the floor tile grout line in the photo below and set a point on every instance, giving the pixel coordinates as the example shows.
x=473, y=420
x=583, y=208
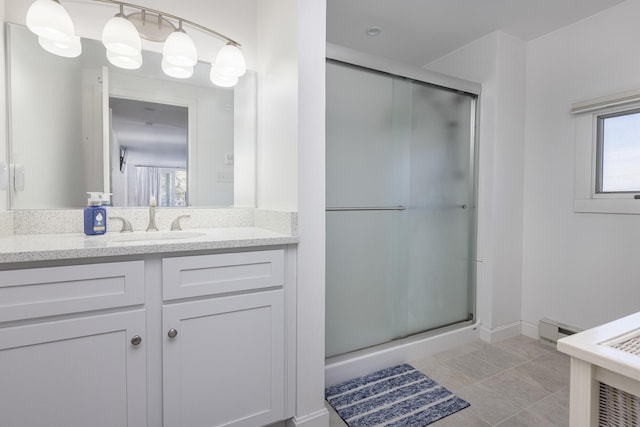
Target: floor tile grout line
x=523, y=379
x=506, y=370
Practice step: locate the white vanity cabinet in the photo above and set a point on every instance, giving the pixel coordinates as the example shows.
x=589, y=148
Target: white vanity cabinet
x=60, y=365
x=173, y=341
x=224, y=359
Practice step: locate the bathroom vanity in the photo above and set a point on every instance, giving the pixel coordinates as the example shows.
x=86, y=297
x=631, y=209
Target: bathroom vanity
x=148, y=330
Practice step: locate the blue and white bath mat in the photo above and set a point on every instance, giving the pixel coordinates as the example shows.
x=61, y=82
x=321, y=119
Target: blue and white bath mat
x=400, y=396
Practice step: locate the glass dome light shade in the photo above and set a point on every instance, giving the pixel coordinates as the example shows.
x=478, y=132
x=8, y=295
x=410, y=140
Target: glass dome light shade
x=50, y=20
x=120, y=36
x=180, y=50
x=177, y=71
x=127, y=62
x=221, y=80
x=230, y=61
x=69, y=49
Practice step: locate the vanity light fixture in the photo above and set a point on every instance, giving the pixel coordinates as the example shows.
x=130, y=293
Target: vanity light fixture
x=230, y=61
x=179, y=49
x=69, y=48
x=122, y=36
x=54, y=28
x=176, y=71
x=222, y=80
x=128, y=62
x=119, y=35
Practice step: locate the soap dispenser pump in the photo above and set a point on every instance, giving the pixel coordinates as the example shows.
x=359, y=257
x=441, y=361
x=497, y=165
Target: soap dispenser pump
x=105, y=199
x=95, y=215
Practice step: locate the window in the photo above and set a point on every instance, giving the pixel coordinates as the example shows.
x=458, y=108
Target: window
x=173, y=187
x=607, y=155
x=618, y=153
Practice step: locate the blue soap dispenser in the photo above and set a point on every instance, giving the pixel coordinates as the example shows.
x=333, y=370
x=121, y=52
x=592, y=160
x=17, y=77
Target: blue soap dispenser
x=95, y=215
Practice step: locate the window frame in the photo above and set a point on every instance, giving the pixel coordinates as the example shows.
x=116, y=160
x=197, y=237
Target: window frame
x=600, y=129
x=587, y=116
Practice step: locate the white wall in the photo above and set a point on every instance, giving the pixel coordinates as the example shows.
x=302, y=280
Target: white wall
x=4, y=195
x=578, y=268
x=291, y=102
x=311, y=45
x=497, y=61
x=278, y=105
x=537, y=257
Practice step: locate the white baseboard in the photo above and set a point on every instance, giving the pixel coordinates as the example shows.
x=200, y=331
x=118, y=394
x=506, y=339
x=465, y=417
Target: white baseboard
x=530, y=330
x=501, y=332
x=315, y=419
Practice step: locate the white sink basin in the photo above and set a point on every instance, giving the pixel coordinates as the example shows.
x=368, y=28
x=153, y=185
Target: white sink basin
x=152, y=236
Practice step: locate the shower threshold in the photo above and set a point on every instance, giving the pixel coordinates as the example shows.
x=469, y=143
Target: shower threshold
x=423, y=344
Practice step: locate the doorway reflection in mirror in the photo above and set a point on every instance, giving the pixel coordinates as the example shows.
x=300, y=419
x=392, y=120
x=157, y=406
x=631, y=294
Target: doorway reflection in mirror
x=150, y=150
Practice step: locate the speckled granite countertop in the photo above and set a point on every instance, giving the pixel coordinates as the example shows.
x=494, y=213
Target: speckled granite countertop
x=46, y=247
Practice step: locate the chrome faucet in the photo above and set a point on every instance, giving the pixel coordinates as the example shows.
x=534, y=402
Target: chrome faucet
x=175, y=225
x=126, y=225
x=152, y=215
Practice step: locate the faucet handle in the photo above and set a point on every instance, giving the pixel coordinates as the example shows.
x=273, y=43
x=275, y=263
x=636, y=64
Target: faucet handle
x=175, y=225
x=126, y=225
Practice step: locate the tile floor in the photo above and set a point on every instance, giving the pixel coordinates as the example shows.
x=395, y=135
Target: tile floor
x=518, y=382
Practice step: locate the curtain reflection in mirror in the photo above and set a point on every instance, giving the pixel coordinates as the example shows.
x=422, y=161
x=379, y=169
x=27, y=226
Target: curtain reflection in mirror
x=167, y=185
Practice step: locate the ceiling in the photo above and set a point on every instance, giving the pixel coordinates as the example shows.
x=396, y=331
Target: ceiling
x=420, y=31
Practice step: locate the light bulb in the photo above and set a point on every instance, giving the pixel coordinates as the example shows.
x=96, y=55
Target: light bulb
x=69, y=49
x=221, y=80
x=50, y=20
x=180, y=50
x=230, y=61
x=176, y=70
x=120, y=36
x=128, y=62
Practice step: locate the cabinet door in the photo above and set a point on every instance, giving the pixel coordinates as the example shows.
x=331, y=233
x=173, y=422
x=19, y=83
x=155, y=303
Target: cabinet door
x=75, y=373
x=225, y=365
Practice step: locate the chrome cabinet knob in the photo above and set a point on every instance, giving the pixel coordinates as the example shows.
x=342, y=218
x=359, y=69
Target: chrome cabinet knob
x=172, y=333
x=136, y=340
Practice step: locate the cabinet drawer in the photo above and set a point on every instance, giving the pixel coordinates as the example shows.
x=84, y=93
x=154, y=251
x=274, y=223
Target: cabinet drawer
x=50, y=291
x=194, y=276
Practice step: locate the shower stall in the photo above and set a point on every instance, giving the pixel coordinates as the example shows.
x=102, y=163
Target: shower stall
x=401, y=208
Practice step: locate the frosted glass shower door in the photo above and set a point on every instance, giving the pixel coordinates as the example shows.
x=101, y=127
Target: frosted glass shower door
x=442, y=216
x=399, y=208
x=363, y=178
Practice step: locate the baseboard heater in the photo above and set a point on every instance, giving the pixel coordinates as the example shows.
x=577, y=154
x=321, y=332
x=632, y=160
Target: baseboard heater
x=551, y=331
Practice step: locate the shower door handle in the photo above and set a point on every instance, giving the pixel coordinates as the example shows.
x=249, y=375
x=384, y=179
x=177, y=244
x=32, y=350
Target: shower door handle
x=367, y=208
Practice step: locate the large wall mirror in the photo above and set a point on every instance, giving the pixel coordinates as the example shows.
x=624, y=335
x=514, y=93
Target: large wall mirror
x=80, y=124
